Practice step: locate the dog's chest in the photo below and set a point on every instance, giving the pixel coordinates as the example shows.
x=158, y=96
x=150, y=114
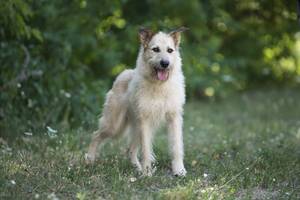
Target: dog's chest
x=155, y=102
x=153, y=105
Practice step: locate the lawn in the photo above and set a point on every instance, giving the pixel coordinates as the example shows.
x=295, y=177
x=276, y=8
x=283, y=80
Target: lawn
x=246, y=146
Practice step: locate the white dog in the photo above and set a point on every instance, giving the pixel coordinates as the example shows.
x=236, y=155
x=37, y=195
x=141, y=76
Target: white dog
x=142, y=98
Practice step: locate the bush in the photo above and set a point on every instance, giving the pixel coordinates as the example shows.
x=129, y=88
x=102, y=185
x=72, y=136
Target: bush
x=58, y=58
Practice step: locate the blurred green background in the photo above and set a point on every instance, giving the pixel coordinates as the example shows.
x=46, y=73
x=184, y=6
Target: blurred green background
x=59, y=58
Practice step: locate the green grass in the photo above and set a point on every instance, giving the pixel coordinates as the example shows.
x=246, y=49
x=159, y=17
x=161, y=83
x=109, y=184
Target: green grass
x=243, y=147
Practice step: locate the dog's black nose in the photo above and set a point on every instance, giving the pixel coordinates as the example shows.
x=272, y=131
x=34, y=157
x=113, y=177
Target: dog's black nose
x=164, y=63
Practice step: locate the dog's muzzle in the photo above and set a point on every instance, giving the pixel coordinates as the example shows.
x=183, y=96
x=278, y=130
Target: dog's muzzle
x=164, y=63
x=162, y=70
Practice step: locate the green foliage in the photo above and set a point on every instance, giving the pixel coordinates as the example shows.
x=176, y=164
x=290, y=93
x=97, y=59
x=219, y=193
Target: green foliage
x=58, y=58
x=14, y=15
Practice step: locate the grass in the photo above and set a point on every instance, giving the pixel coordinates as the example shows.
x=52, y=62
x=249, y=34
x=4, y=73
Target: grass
x=243, y=147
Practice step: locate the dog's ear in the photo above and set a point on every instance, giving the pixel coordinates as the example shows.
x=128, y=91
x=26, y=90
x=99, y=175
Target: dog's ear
x=145, y=35
x=175, y=34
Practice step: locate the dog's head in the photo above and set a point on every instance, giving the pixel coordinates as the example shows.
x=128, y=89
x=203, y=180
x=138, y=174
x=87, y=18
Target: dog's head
x=160, y=52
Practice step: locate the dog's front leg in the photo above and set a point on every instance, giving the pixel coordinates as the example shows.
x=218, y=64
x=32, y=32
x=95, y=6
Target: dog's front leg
x=134, y=148
x=176, y=144
x=147, y=152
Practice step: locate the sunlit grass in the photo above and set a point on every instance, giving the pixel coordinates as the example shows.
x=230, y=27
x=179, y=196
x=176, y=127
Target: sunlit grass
x=243, y=147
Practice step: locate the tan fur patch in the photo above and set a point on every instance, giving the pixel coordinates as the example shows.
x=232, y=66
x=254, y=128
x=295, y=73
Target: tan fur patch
x=145, y=36
x=176, y=34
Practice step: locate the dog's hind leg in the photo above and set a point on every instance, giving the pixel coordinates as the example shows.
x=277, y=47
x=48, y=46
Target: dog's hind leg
x=108, y=129
x=111, y=125
x=114, y=116
x=98, y=138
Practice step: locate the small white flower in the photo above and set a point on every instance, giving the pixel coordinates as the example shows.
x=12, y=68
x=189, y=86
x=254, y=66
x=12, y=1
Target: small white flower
x=192, y=128
x=247, y=168
x=28, y=133
x=13, y=182
x=51, y=130
x=68, y=95
x=205, y=175
x=132, y=179
x=36, y=196
x=52, y=196
x=194, y=162
x=274, y=179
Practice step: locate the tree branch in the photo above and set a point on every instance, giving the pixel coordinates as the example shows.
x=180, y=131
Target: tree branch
x=24, y=74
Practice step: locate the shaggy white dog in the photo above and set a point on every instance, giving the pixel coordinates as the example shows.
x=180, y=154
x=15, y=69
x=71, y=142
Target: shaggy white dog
x=142, y=98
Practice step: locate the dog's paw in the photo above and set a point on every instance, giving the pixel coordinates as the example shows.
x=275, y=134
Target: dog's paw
x=181, y=172
x=148, y=171
x=138, y=167
x=89, y=159
x=178, y=170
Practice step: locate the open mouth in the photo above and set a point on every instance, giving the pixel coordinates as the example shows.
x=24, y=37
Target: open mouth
x=162, y=74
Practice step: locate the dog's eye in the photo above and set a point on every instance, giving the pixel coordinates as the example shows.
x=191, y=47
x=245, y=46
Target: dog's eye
x=155, y=49
x=170, y=50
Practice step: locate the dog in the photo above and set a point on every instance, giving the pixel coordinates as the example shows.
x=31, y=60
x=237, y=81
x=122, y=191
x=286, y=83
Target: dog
x=143, y=98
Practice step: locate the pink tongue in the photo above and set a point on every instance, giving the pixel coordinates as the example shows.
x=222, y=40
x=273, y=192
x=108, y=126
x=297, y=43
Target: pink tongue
x=162, y=75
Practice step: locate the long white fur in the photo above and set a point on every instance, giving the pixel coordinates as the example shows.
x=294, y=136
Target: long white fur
x=140, y=102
